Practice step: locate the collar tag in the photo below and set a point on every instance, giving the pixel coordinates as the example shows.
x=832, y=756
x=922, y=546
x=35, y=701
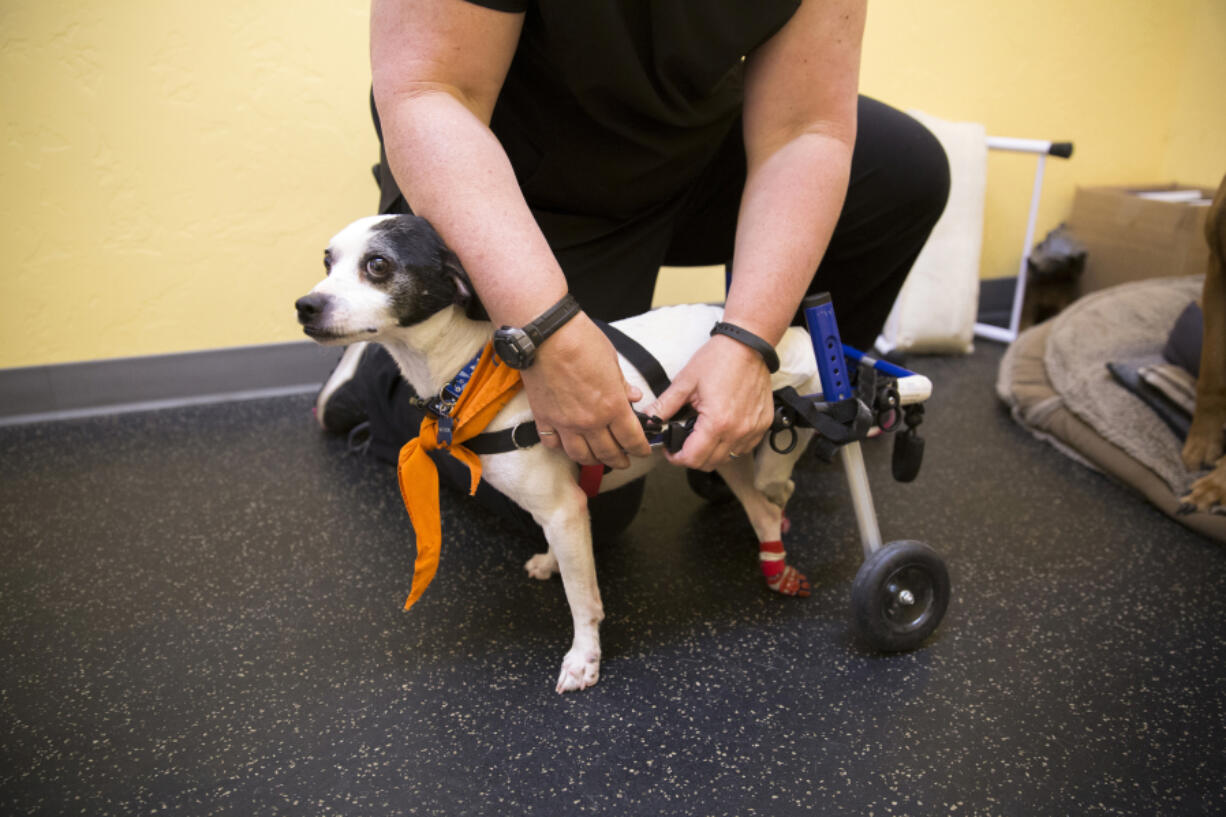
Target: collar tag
x=445, y=425
x=444, y=404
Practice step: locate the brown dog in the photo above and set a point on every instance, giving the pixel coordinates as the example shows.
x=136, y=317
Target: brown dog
x=1206, y=441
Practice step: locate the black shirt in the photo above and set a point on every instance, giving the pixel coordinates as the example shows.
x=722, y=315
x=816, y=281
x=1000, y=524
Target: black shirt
x=611, y=107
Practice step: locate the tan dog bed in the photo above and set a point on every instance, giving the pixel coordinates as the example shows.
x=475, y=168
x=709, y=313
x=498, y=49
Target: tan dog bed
x=1055, y=380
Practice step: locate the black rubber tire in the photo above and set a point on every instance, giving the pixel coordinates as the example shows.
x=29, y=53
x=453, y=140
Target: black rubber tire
x=709, y=485
x=882, y=620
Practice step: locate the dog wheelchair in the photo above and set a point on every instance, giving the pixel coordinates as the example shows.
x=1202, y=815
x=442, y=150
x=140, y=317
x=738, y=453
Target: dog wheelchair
x=902, y=589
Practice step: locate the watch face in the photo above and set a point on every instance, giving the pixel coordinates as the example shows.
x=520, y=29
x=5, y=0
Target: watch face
x=514, y=347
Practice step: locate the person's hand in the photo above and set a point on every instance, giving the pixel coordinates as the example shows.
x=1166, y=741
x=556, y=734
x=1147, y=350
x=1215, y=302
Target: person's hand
x=580, y=399
x=728, y=385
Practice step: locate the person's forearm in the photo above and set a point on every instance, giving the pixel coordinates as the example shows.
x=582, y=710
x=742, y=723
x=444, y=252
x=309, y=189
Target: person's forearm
x=453, y=172
x=791, y=202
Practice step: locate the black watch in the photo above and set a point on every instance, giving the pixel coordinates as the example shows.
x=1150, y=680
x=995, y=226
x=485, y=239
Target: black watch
x=517, y=347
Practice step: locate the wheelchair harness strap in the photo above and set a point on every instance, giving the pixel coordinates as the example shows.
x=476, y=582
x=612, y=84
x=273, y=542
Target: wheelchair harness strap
x=525, y=435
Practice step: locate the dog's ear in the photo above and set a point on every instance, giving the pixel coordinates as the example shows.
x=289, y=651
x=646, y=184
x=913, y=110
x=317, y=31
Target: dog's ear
x=465, y=295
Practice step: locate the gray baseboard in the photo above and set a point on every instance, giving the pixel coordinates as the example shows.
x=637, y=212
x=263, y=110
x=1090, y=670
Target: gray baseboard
x=42, y=393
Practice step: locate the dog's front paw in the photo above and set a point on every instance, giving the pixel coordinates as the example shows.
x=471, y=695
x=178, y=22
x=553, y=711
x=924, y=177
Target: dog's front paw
x=580, y=669
x=541, y=566
x=1206, y=441
x=1202, y=449
x=1209, y=490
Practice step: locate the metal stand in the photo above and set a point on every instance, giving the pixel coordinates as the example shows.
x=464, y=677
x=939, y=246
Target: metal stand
x=1042, y=149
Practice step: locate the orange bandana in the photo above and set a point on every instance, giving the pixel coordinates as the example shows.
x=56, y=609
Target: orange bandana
x=491, y=386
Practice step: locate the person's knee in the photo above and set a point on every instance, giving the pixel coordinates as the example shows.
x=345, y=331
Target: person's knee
x=928, y=176
x=901, y=162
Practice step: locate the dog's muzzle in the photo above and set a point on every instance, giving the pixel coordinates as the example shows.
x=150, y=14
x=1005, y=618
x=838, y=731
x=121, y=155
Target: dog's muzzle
x=313, y=312
x=311, y=308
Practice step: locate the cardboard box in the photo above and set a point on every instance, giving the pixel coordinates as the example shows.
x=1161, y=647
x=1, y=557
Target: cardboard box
x=1132, y=233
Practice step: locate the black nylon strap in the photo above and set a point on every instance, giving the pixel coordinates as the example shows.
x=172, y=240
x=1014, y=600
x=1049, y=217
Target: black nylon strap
x=525, y=434
x=639, y=357
x=825, y=425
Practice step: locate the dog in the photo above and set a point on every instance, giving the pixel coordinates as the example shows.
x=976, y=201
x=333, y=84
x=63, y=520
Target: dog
x=1205, y=446
x=392, y=280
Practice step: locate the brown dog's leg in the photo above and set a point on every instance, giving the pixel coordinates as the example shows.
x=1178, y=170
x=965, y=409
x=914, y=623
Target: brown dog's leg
x=1206, y=441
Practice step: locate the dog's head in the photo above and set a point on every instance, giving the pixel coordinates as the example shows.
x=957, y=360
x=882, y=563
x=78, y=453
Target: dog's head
x=384, y=272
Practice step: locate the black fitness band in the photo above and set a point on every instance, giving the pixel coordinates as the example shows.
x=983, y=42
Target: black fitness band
x=752, y=341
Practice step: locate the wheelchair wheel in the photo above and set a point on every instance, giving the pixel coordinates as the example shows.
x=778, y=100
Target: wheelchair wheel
x=900, y=595
x=709, y=485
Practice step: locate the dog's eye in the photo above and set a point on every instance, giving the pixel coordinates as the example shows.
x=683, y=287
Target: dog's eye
x=327, y=262
x=378, y=268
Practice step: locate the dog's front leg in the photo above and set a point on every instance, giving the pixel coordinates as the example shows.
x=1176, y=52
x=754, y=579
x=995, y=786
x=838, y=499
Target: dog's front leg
x=1206, y=443
x=544, y=483
x=568, y=530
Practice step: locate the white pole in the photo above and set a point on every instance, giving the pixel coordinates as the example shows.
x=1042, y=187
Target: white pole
x=1019, y=145
x=1019, y=292
x=1042, y=148
x=993, y=332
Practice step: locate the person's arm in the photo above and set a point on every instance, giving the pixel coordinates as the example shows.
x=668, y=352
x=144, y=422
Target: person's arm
x=799, y=130
x=437, y=68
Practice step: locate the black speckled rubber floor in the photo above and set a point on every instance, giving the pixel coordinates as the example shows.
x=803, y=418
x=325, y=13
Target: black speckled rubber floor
x=200, y=613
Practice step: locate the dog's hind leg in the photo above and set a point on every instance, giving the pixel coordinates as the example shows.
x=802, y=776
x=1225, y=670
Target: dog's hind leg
x=763, y=488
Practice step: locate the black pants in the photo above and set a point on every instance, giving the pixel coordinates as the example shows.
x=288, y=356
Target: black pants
x=898, y=187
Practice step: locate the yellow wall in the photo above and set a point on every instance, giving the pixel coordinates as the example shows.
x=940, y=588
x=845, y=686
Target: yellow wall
x=171, y=170
x=1137, y=85
x=1196, y=130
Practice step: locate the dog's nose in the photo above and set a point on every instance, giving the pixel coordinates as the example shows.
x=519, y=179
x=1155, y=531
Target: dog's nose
x=310, y=307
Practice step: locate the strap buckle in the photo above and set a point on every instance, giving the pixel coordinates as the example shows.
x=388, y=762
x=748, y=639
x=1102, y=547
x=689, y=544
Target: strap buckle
x=515, y=436
x=671, y=433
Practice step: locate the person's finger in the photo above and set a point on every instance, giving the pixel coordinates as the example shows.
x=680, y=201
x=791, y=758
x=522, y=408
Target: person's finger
x=628, y=435
x=721, y=454
x=703, y=449
x=577, y=448
x=607, y=450
x=671, y=401
x=549, y=438
x=748, y=443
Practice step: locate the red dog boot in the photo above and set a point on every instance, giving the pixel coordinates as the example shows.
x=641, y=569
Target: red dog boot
x=781, y=576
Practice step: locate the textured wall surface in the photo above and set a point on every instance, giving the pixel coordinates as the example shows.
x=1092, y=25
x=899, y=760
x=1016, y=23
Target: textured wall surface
x=172, y=170
x=1196, y=146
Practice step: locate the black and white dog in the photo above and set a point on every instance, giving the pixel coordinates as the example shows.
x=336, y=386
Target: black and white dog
x=392, y=280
